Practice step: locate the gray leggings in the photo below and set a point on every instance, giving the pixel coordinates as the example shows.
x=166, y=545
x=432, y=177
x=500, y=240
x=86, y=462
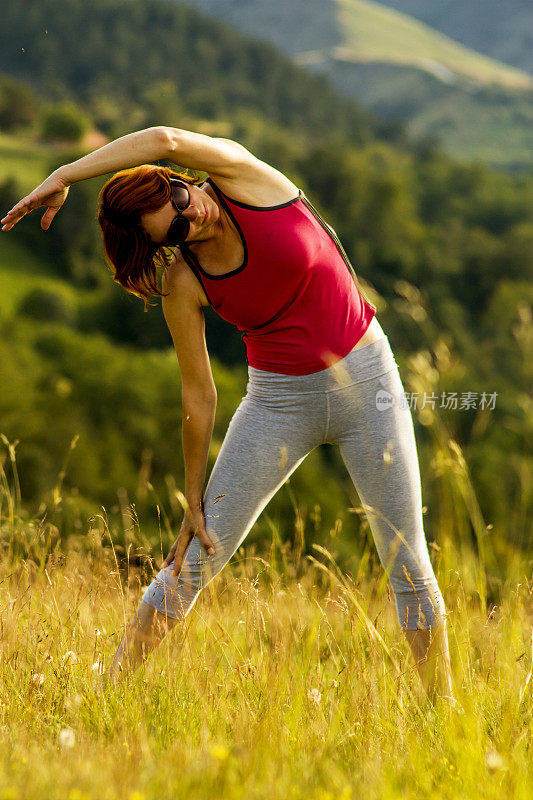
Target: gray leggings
x=358, y=403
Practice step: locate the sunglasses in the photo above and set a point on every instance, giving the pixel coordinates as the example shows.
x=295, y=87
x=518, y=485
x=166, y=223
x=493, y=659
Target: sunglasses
x=180, y=199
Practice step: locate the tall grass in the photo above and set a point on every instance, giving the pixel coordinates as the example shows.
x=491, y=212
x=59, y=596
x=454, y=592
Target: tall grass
x=290, y=677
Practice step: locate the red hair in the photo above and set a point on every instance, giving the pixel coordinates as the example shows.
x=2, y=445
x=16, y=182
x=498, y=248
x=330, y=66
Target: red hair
x=129, y=250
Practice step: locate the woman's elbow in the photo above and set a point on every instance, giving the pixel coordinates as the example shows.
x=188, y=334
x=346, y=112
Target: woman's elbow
x=165, y=139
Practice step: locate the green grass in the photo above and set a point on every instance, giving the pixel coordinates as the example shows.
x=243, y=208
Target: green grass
x=24, y=159
x=21, y=270
x=288, y=680
x=373, y=32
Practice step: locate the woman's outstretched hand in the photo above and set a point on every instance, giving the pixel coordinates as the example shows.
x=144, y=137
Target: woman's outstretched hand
x=51, y=193
x=193, y=525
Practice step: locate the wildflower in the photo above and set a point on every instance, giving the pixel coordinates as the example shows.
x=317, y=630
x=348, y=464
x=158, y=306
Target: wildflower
x=70, y=657
x=494, y=761
x=98, y=667
x=67, y=738
x=38, y=678
x=314, y=696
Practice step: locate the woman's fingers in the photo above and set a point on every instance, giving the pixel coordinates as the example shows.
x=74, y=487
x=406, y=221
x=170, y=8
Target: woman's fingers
x=200, y=531
x=20, y=210
x=206, y=542
x=48, y=217
x=183, y=541
x=192, y=526
x=170, y=556
x=52, y=193
x=16, y=213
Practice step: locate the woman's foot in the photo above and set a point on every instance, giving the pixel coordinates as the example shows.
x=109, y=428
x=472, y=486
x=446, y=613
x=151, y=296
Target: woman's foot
x=146, y=630
x=432, y=660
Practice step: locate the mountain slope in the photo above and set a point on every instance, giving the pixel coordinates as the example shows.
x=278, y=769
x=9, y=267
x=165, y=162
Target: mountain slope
x=151, y=62
x=361, y=30
x=400, y=68
x=502, y=30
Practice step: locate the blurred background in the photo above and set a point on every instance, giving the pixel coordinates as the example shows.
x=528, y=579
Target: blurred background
x=409, y=125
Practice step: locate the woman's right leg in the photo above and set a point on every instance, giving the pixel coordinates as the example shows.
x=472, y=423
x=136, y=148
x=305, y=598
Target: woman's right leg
x=372, y=424
x=265, y=442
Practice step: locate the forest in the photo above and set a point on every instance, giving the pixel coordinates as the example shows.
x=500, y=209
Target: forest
x=442, y=248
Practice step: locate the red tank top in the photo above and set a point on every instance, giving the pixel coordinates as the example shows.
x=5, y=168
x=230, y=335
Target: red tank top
x=295, y=296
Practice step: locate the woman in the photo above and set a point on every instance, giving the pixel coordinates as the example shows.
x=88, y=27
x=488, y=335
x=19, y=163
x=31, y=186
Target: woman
x=321, y=369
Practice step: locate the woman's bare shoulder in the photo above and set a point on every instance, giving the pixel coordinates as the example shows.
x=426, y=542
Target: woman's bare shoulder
x=258, y=184
x=178, y=277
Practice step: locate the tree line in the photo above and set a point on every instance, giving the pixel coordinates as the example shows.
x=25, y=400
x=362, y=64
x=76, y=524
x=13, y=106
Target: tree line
x=443, y=248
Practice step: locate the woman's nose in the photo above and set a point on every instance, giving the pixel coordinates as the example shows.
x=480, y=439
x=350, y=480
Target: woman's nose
x=192, y=212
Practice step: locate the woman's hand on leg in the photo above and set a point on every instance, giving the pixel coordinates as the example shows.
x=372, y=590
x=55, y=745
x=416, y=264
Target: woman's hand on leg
x=193, y=525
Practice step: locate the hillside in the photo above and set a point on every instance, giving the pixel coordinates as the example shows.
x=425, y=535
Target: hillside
x=401, y=68
x=502, y=30
x=150, y=62
x=442, y=247
x=362, y=30
x=371, y=32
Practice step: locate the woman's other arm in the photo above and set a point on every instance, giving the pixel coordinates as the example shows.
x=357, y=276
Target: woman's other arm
x=185, y=320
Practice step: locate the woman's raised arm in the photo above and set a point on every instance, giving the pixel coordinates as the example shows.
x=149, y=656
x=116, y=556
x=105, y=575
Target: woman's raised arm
x=194, y=150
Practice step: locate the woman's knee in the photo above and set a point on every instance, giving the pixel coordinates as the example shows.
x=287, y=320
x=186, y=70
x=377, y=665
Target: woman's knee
x=174, y=595
x=419, y=602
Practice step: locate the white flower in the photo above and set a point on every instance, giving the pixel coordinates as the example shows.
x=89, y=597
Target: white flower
x=38, y=678
x=314, y=696
x=98, y=667
x=70, y=657
x=67, y=738
x=494, y=761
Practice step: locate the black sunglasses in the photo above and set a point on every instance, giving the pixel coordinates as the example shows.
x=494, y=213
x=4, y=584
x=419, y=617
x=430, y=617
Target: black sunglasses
x=180, y=198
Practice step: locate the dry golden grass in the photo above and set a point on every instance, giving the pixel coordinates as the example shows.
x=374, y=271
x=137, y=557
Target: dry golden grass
x=279, y=684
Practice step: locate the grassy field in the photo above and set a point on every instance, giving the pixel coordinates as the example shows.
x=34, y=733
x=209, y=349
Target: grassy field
x=21, y=268
x=290, y=678
x=24, y=159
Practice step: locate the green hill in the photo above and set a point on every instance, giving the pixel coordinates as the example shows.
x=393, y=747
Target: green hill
x=402, y=69
x=371, y=32
x=502, y=30
x=362, y=30
x=444, y=249
x=24, y=158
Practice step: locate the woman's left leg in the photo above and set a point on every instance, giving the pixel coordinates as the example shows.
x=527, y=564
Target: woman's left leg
x=270, y=434
x=371, y=423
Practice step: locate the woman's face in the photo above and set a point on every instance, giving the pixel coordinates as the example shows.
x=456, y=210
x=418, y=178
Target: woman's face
x=202, y=213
